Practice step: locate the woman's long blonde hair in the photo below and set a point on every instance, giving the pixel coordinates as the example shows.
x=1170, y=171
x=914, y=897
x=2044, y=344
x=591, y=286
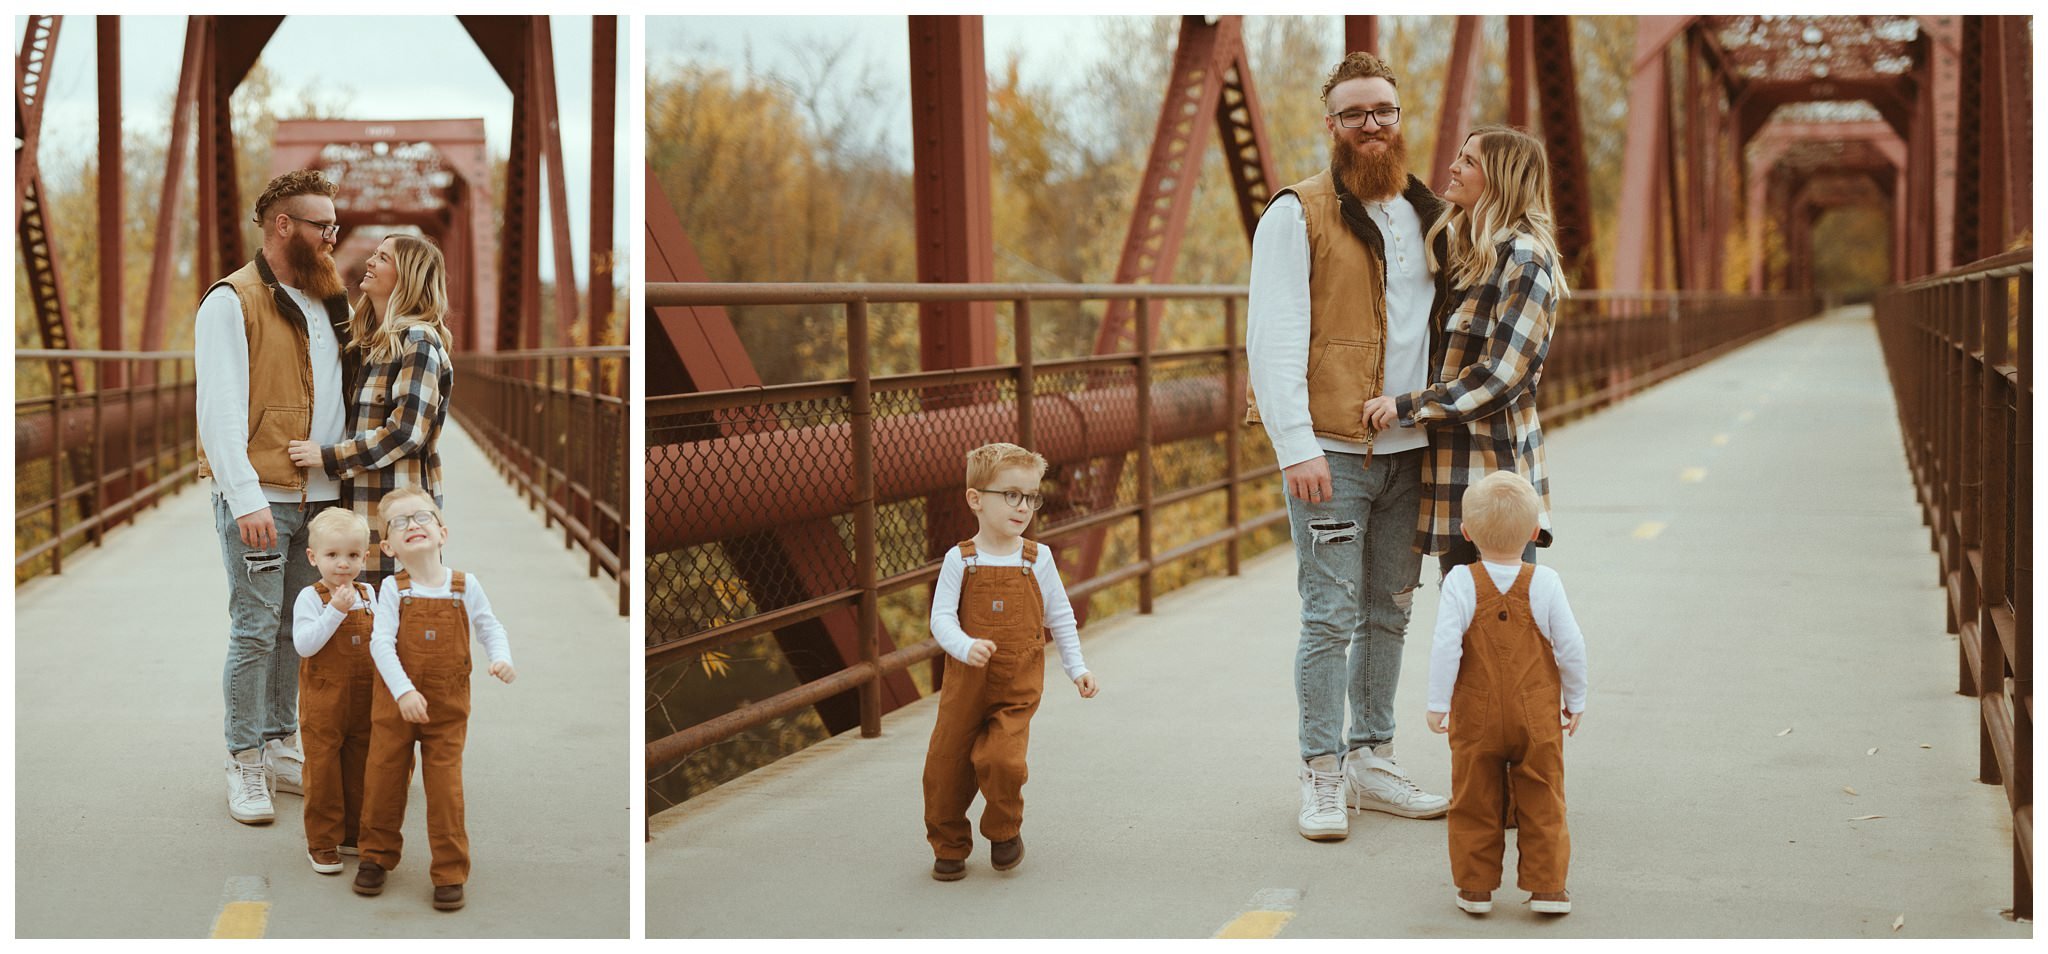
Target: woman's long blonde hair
x=420, y=299
x=1516, y=199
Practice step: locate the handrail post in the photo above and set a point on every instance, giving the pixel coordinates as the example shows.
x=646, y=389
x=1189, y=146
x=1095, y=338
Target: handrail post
x=1027, y=376
x=863, y=421
x=98, y=529
x=1145, y=454
x=56, y=470
x=1233, y=551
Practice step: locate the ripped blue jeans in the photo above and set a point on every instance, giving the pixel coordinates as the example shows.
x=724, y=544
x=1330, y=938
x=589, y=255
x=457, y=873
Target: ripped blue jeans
x=1357, y=571
x=261, y=682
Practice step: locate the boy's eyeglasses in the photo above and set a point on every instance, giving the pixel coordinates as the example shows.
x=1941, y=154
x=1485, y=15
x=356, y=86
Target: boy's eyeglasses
x=1018, y=498
x=425, y=519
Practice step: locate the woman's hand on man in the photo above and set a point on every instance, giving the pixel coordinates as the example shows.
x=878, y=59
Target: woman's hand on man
x=304, y=453
x=1381, y=414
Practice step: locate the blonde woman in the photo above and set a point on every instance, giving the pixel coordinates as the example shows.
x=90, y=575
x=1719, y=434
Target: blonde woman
x=1503, y=271
x=398, y=330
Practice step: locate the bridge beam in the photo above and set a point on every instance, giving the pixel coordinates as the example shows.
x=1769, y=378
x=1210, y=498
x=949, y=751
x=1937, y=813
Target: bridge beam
x=1455, y=113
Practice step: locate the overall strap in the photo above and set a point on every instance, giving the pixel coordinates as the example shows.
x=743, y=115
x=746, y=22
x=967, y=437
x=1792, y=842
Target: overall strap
x=1483, y=587
x=455, y=582
x=320, y=587
x=967, y=549
x=1030, y=556
x=403, y=580
x=1522, y=580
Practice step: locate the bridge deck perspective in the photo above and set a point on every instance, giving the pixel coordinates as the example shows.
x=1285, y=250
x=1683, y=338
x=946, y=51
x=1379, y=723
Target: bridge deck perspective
x=121, y=827
x=1773, y=744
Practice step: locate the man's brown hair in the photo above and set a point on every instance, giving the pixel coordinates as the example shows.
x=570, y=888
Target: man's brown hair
x=1359, y=65
x=292, y=184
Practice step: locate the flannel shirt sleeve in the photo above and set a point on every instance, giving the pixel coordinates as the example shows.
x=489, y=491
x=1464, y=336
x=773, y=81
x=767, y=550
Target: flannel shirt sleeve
x=1508, y=358
x=415, y=400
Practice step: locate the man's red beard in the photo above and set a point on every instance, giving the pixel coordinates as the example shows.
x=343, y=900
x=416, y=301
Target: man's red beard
x=313, y=270
x=1378, y=176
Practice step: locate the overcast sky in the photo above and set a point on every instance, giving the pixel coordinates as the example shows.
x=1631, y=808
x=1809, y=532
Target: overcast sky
x=1048, y=48
x=390, y=67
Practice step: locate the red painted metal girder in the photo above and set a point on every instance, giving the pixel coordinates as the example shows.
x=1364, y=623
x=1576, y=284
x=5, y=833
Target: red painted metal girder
x=950, y=153
x=507, y=43
x=31, y=80
x=2006, y=159
x=162, y=260
x=604, y=81
x=1969, y=98
x=1247, y=153
x=1361, y=34
x=1521, y=36
x=1456, y=105
x=45, y=287
x=108, y=53
x=233, y=45
x=1571, y=193
x=33, y=432
x=929, y=445
x=695, y=347
x=1647, y=154
x=550, y=116
x=1194, y=90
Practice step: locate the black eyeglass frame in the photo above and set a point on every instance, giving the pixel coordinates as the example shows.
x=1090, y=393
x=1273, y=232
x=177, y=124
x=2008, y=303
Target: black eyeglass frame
x=1016, y=498
x=1374, y=113
x=424, y=519
x=328, y=230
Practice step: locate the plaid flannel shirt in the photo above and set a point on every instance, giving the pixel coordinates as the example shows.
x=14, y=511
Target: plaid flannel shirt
x=1481, y=410
x=394, y=425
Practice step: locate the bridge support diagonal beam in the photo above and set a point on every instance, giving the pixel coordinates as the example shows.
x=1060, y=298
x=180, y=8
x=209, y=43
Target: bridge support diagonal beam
x=507, y=42
x=1646, y=155
x=31, y=84
x=542, y=55
x=1521, y=36
x=163, y=254
x=1557, y=92
x=1456, y=105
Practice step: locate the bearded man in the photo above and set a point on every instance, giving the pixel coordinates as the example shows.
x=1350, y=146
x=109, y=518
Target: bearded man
x=1342, y=308
x=267, y=359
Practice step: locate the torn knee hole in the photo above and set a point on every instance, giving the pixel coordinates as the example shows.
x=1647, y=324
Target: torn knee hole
x=1334, y=531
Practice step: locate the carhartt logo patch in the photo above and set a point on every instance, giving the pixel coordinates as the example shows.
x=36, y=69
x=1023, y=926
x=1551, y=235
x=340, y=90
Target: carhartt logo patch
x=430, y=635
x=355, y=640
x=997, y=606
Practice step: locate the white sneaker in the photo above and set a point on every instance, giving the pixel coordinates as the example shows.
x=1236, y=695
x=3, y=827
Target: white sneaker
x=248, y=796
x=1372, y=782
x=285, y=766
x=1322, y=801
x=1472, y=907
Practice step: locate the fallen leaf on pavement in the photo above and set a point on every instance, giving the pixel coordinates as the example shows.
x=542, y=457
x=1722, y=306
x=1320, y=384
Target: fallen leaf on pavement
x=1925, y=746
x=1865, y=817
x=1788, y=731
x=1873, y=751
x=1898, y=922
x=1848, y=790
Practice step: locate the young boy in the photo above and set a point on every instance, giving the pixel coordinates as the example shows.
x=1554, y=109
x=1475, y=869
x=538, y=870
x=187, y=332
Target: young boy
x=331, y=631
x=426, y=614
x=996, y=595
x=1510, y=625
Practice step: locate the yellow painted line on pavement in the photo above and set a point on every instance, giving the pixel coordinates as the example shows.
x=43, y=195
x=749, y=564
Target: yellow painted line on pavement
x=1720, y=440
x=1268, y=912
x=242, y=919
x=1693, y=475
x=1649, y=530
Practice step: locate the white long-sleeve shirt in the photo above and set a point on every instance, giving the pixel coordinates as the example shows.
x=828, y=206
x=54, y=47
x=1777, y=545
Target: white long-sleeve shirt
x=314, y=620
x=483, y=625
x=1059, y=613
x=220, y=365
x=1277, y=326
x=1547, y=603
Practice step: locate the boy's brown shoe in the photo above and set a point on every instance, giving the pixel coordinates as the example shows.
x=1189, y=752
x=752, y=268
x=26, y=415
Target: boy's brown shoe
x=447, y=897
x=325, y=860
x=369, y=878
x=1007, y=854
x=948, y=869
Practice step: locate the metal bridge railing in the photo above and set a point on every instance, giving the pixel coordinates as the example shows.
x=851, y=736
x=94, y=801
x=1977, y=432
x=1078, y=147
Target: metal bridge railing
x=86, y=460
x=1959, y=346
x=732, y=475
x=554, y=421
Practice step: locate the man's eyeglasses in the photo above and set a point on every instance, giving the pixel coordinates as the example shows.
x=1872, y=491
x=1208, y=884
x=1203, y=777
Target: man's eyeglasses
x=1018, y=498
x=328, y=230
x=1354, y=118
x=425, y=519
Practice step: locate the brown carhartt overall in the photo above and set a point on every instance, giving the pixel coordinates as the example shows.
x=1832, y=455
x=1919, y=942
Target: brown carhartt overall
x=984, y=722
x=334, y=725
x=433, y=646
x=1507, y=749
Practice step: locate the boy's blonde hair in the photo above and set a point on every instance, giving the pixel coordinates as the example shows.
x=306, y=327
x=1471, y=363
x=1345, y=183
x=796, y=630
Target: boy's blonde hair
x=384, y=503
x=984, y=462
x=1501, y=511
x=338, y=521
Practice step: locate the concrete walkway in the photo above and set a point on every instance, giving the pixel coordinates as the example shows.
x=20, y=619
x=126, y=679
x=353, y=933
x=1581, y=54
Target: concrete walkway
x=1743, y=551
x=121, y=826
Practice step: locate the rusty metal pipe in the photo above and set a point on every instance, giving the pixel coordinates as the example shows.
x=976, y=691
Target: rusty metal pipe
x=745, y=483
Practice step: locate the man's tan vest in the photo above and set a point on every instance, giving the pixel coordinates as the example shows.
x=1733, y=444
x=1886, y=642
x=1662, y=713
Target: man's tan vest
x=280, y=379
x=1347, y=308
